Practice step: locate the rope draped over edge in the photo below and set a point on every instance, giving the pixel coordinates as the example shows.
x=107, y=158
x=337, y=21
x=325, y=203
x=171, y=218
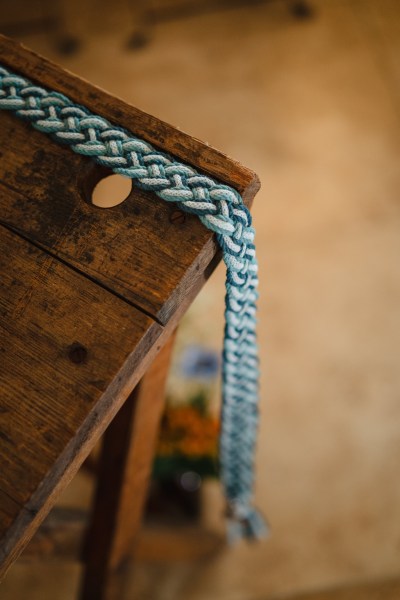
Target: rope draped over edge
x=221, y=209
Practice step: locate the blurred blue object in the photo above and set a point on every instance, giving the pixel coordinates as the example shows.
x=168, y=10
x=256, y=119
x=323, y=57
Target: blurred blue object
x=199, y=363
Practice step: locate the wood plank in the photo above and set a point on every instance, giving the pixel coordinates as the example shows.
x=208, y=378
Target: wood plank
x=124, y=470
x=130, y=248
x=70, y=354
x=162, y=135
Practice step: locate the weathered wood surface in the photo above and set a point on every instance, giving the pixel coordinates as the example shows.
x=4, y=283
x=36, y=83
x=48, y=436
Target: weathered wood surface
x=68, y=351
x=132, y=249
x=161, y=134
x=88, y=296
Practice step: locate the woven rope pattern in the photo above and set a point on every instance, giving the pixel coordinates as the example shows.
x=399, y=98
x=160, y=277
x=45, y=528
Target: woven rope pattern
x=221, y=209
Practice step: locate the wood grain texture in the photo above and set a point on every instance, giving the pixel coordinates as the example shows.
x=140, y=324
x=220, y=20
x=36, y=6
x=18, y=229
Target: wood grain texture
x=157, y=132
x=132, y=249
x=61, y=375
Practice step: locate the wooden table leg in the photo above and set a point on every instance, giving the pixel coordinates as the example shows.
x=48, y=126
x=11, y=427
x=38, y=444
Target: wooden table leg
x=124, y=470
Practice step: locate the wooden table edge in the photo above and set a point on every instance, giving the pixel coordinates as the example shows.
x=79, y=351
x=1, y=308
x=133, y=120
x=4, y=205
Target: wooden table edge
x=164, y=136
x=68, y=463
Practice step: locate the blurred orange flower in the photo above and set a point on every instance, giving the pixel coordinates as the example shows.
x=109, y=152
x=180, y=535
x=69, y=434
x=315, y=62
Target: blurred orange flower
x=185, y=431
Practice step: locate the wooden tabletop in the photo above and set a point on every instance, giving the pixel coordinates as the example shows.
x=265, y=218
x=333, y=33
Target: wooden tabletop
x=88, y=296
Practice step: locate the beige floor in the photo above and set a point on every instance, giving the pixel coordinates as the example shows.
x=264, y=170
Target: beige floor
x=314, y=108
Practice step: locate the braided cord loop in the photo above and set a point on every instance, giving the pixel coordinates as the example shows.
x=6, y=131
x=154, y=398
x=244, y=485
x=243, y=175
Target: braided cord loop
x=221, y=209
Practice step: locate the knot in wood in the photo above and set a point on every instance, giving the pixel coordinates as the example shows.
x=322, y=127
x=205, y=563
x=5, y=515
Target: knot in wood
x=77, y=353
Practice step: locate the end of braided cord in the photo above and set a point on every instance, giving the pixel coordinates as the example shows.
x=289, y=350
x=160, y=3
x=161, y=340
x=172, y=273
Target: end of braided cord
x=245, y=522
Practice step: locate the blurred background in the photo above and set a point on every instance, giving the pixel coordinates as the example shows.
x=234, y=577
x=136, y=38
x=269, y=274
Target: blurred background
x=308, y=95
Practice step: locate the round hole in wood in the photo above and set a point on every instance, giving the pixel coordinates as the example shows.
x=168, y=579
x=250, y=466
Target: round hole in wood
x=111, y=191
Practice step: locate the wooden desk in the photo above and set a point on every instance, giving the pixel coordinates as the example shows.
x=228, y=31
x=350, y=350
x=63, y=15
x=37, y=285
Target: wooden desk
x=88, y=298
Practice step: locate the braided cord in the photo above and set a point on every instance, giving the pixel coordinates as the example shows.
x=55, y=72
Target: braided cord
x=221, y=209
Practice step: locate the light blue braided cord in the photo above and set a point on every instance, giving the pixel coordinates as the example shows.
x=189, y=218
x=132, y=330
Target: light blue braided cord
x=221, y=209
